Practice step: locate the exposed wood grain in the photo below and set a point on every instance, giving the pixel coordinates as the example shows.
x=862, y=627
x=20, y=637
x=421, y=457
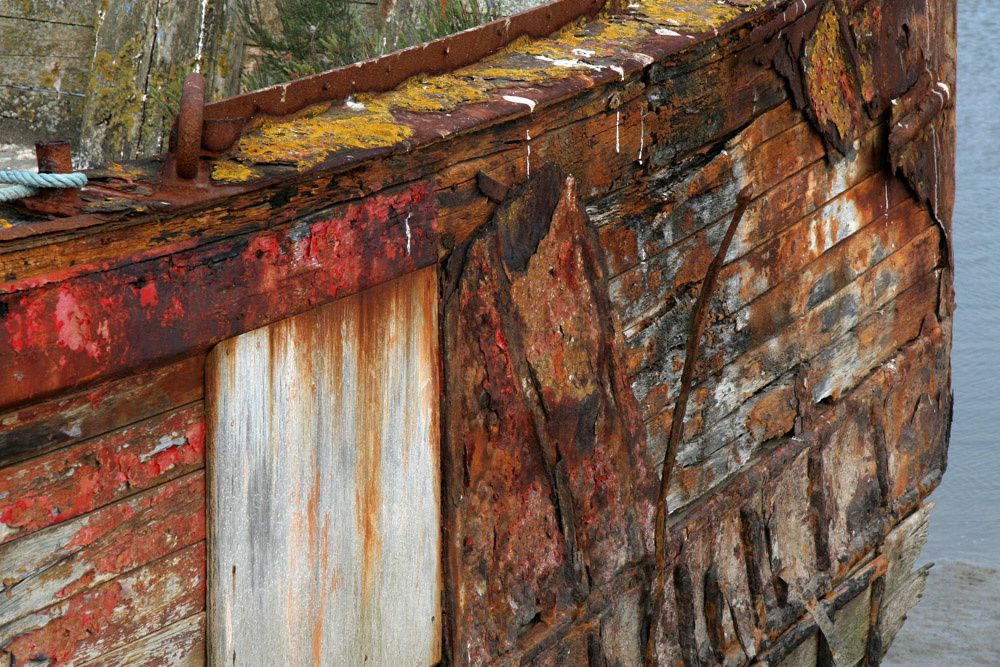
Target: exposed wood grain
x=94, y=622
x=58, y=562
x=180, y=644
x=64, y=484
x=904, y=584
x=48, y=424
x=325, y=490
x=818, y=415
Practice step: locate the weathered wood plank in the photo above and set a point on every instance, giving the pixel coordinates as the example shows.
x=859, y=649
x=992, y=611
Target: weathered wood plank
x=180, y=644
x=325, y=494
x=46, y=425
x=808, y=286
x=550, y=496
x=116, y=92
x=92, y=623
x=904, y=585
x=48, y=39
x=64, y=484
x=74, y=12
x=46, y=73
x=39, y=113
x=816, y=336
x=182, y=303
x=856, y=352
x=56, y=563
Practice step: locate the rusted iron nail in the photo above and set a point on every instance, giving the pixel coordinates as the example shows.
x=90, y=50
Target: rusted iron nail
x=691, y=350
x=54, y=157
x=189, y=126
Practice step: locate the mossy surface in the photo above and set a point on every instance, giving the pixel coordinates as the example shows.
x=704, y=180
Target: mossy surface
x=311, y=136
x=230, y=171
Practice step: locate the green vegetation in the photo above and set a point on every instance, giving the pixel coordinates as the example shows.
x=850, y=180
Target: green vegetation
x=311, y=36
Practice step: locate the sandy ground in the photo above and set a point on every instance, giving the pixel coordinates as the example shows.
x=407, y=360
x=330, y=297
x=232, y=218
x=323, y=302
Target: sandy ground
x=956, y=623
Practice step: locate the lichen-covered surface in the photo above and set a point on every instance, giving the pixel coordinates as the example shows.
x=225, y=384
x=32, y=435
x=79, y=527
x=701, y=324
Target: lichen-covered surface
x=573, y=192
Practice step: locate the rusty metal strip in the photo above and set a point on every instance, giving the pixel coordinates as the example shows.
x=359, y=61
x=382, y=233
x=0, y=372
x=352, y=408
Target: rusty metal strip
x=224, y=120
x=936, y=100
x=680, y=408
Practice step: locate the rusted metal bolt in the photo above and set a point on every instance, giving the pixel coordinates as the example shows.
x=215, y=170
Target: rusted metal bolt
x=55, y=157
x=189, y=126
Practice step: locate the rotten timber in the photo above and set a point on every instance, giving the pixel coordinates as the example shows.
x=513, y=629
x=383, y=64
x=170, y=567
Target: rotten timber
x=571, y=194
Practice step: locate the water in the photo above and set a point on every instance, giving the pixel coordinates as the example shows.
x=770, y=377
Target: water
x=966, y=523
x=958, y=622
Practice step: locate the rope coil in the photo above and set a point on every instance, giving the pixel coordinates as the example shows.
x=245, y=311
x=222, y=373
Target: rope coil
x=27, y=183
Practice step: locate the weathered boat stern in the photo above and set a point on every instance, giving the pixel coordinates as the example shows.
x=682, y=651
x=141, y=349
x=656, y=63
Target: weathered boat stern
x=625, y=344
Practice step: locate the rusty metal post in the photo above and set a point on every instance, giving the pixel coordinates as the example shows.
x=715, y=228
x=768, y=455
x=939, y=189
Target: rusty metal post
x=189, y=126
x=54, y=157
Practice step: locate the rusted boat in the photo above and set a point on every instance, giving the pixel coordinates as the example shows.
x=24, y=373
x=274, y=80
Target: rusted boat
x=600, y=336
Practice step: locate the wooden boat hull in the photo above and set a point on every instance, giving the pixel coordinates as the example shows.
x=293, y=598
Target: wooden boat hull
x=571, y=195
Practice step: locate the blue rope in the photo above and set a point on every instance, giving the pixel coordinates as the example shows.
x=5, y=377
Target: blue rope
x=27, y=183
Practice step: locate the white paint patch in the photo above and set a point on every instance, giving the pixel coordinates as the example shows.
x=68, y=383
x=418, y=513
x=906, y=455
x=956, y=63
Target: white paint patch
x=583, y=53
x=666, y=32
x=166, y=442
x=645, y=60
x=73, y=429
x=514, y=99
x=353, y=104
x=620, y=70
x=642, y=134
x=409, y=237
x=618, y=131
x=527, y=166
x=201, y=37
x=570, y=63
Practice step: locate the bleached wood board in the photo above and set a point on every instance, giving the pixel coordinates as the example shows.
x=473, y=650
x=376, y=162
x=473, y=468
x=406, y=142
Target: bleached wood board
x=324, y=495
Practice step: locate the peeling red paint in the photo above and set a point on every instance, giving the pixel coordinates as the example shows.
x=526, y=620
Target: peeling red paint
x=96, y=325
x=65, y=484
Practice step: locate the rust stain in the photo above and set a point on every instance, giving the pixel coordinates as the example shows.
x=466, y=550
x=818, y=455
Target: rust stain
x=371, y=362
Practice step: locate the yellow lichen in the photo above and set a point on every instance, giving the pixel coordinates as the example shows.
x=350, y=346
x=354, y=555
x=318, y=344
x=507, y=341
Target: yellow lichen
x=308, y=138
x=5, y=223
x=230, y=171
x=694, y=15
x=829, y=79
x=432, y=94
x=116, y=103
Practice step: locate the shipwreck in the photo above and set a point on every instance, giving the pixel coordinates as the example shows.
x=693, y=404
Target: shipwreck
x=600, y=335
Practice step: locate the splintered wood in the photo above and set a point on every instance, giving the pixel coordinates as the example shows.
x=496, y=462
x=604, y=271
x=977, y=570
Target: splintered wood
x=325, y=493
